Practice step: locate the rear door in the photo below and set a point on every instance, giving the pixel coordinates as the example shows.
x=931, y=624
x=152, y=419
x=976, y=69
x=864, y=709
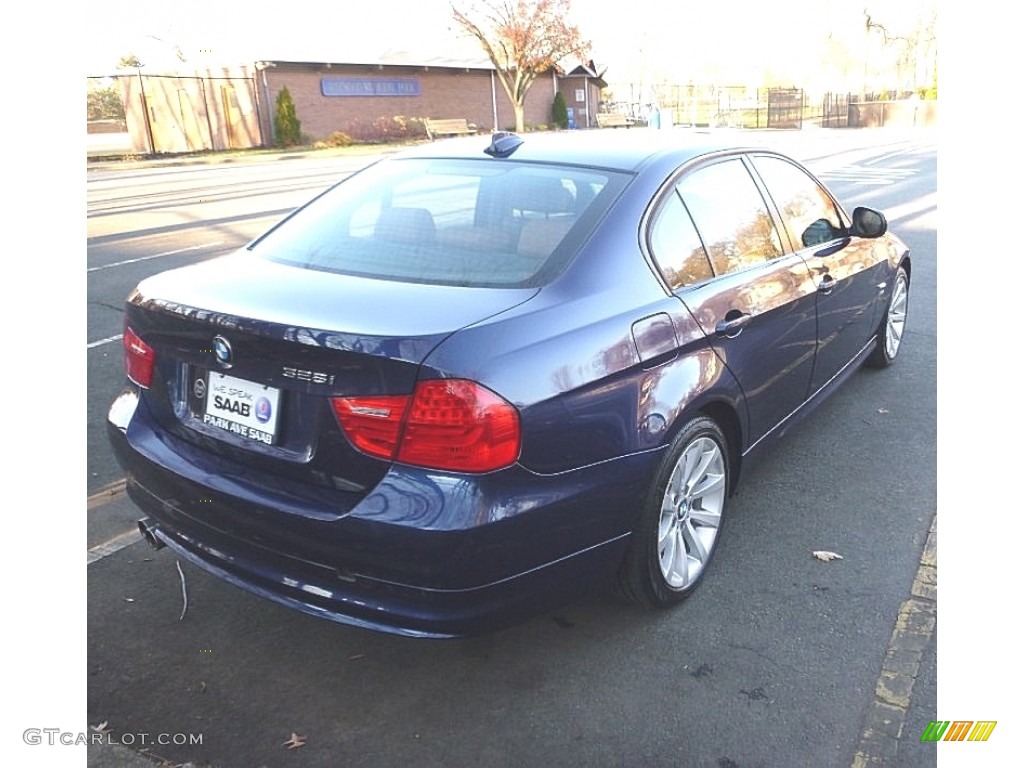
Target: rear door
x=757, y=303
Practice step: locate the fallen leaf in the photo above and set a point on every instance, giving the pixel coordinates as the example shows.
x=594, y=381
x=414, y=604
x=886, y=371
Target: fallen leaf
x=883, y=410
x=295, y=741
x=101, y=728
x=129, y=599
x=357, y=656
x=825, y=555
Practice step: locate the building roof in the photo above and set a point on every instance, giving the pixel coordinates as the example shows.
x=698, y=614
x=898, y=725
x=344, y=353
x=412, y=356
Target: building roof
x=589, y=70
x=388, y=58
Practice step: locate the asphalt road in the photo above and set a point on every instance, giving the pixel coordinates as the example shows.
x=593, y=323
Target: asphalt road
x=775, y=661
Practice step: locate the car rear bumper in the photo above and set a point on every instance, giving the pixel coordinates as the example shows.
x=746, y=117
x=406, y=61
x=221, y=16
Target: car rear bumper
x=420, y=554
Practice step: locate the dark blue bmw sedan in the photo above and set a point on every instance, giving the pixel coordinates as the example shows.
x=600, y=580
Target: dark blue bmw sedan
x=477, y=378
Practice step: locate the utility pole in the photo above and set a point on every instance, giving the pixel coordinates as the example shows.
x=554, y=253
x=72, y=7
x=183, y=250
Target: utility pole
x=867, y=47
x=145, y=109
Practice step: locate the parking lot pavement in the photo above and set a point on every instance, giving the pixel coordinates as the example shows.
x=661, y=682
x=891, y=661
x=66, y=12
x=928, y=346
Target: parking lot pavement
x=116, y=756
x=192, y=657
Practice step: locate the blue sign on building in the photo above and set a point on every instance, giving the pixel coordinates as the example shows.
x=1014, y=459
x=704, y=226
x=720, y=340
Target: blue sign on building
x=369, y=86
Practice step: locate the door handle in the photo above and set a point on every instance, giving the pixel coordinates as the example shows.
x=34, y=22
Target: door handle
x=732, y=327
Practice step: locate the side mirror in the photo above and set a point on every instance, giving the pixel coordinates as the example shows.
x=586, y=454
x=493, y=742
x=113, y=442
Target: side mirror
x=867, y=222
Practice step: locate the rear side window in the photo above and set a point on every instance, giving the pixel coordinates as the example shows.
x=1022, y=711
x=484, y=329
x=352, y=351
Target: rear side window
x=731, y=216
x=451, y=222
x=676, y=247
x=808, y=212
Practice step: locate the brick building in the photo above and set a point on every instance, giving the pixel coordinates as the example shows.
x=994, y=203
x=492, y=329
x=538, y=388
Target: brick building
x=234, y=107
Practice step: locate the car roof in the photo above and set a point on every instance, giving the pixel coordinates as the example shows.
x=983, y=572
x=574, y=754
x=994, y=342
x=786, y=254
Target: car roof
x=619, y=149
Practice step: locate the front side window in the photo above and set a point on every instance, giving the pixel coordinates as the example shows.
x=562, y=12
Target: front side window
x=731, y=216
x=449, y=222
x=808, y=212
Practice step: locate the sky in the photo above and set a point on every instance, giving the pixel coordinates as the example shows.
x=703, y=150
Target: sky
x=655, y=40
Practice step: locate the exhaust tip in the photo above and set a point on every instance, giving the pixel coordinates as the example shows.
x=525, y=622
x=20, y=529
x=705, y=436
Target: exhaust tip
x=148, y=530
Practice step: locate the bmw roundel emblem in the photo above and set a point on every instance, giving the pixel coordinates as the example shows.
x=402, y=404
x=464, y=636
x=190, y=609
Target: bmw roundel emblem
x=222, y=351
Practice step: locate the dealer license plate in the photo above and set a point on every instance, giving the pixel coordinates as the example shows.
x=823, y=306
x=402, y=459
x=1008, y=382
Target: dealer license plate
x=241, y=407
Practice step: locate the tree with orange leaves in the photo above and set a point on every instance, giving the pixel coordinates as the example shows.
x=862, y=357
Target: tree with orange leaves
x=523, y=39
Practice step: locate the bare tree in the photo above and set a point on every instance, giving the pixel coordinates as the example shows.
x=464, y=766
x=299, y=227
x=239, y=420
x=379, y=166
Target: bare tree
x=910, y=55
x=523, y=39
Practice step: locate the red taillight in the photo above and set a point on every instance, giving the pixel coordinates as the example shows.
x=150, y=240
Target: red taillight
x=138, y=359
x=450, y=424
x=459, y=425
x=373, y=424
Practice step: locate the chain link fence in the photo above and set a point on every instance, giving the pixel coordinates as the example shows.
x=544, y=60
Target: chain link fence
x=732, y=106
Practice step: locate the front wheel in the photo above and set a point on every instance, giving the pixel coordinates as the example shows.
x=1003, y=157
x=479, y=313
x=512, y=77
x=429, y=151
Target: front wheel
x=890, y=333
x=679, y=526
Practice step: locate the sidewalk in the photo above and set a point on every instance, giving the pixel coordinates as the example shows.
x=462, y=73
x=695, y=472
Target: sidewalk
x=129, y=161
x=132, y=162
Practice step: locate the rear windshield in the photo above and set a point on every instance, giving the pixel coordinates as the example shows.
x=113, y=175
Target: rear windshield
x=483, y=223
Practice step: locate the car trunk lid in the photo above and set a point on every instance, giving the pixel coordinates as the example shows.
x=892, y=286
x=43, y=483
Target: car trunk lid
x=249, y=352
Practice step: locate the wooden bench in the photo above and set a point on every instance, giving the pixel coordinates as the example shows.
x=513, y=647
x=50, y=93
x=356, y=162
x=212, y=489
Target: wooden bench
x=612, y=120
x=455, y=126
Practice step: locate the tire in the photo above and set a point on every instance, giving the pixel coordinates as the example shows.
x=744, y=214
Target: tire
x=680, y=523
x=890, y=332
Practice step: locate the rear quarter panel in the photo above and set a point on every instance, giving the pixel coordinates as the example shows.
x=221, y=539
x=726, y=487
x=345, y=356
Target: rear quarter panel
x=577, y=361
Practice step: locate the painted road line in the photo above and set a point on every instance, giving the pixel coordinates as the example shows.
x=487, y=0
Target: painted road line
x=858, y=174
x=101, y=342
x=914, y=149
x=106, y=494
x=154, y=256
x=115, y=544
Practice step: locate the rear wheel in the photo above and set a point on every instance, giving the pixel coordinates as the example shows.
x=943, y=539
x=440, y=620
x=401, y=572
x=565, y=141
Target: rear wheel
x=890, y=333
x=679, y=526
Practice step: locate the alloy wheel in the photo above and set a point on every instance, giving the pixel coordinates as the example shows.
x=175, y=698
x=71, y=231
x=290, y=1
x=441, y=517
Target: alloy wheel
x=691, y=512
x=897, y=317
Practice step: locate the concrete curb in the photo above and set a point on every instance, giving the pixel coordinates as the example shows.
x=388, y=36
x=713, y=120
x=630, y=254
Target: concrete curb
x=883, y=731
